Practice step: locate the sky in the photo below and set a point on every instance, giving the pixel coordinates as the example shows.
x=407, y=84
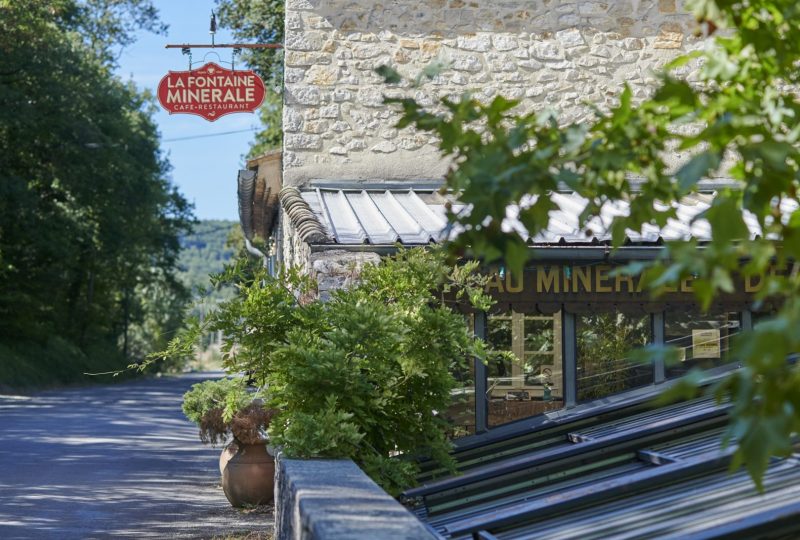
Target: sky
x=204, y=169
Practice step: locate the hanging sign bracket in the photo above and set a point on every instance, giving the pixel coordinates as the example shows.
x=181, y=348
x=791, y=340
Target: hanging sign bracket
x=226, y=46
x=186, y=48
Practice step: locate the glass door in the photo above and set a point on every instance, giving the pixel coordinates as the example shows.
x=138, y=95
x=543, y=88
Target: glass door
x=525, y=365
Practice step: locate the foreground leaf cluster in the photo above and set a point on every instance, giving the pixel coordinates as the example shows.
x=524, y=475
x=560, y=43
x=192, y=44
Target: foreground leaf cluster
x=739, y=117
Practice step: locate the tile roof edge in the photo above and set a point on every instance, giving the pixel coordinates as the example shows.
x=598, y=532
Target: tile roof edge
x=302, y=216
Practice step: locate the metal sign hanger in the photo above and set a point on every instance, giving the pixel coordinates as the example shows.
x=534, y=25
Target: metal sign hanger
x=186, y=48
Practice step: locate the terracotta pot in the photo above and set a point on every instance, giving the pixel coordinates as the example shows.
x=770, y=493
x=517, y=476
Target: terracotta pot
x=249, y=477
x=227, y=453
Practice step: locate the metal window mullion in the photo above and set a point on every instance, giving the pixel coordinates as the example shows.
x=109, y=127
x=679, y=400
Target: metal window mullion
x=747, y=320
x=569, y=344
x=558, y=351
x=481, y=379
x=518, y=348
x=659, y=369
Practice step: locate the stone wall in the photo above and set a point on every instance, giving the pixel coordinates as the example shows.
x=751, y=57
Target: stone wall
x=548, y=53
x=333, y=499
x=338, y=269
x=294, y=251
x=333, y=269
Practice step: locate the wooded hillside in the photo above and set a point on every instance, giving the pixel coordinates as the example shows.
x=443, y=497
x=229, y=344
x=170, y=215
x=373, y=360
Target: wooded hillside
x=204, y=251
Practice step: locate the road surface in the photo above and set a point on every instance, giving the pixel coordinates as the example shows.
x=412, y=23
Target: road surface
x=115, y=461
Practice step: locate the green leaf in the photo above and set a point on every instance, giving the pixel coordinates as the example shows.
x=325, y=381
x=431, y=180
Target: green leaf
x=726, y=220
x=517, y=253
x=687, y=387
x=696, y=168
x=433, y=69
x=619, y=232
x=622, y=113
x=721, y=280
x=704, y=292
x=774, y=153
x=682, y=60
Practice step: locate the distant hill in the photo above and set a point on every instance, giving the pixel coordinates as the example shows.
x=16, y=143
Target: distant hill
x=205, y=252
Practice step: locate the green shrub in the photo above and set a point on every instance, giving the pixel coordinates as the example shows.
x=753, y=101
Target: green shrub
x=206, y=396
x=362, y=375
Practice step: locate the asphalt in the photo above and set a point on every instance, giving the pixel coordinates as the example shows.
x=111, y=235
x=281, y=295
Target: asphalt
x=114, y=461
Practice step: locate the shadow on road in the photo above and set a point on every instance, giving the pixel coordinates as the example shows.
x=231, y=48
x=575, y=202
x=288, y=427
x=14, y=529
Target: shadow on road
x=112, y=461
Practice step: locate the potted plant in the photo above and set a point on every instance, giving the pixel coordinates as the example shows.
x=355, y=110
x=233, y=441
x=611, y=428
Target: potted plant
x=225, y=410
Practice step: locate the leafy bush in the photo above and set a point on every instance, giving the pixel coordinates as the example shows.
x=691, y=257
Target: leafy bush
x=362, y=375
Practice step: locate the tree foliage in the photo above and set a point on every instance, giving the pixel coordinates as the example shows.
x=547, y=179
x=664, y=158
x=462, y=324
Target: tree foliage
x=107, y=26
x=359, y=376
x=739, y=119
x=89, y=223
x=261, y=21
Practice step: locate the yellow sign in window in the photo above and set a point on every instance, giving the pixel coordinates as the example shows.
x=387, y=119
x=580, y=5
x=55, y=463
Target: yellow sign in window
x=705, y=343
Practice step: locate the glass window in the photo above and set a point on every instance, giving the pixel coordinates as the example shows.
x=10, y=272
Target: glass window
x=604, y=341
x=760, y=317
x=499, y=336
x=525, y=373
x=461, y=412
x=703, y=340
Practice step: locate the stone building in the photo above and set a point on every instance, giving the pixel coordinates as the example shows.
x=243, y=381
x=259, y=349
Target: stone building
x=548, y=54
x=351, y=186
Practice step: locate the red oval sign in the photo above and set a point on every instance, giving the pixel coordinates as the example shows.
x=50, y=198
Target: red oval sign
x=211, y=91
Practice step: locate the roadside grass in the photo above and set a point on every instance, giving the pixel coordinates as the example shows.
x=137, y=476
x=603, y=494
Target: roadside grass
x=54, y=362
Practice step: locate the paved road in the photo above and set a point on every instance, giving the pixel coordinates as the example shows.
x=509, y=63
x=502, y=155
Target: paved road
x=117, y=461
